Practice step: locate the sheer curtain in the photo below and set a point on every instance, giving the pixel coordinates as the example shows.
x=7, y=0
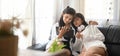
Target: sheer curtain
x=100, y=11
x=44, y=15
x=23, y=10
x=117, y=12
x=78, y=5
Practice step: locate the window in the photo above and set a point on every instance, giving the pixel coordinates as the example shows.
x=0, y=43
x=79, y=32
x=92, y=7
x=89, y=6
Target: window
x=22, y=9
x=44, y=10
x=100, y=10
x=10, y=8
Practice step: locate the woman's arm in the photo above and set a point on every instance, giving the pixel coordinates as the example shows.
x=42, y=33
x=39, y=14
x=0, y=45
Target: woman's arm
x=77, y=46
x=78, y=43
x=62, y=31
x=93, y=23
x=54, y=35
x=98, y=35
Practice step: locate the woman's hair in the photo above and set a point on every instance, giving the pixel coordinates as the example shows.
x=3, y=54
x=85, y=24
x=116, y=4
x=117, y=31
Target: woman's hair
x=67, y=10
x=79, y=15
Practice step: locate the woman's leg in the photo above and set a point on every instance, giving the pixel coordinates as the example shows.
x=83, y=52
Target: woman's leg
x=82, y=52
x=64, y=52
x=95, y=51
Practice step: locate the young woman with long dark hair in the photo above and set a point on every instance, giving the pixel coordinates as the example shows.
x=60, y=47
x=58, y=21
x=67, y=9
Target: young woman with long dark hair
x=64, y=32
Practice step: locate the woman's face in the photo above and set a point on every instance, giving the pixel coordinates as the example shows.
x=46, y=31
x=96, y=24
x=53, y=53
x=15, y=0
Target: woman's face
x=77, y=21
x=67, y=18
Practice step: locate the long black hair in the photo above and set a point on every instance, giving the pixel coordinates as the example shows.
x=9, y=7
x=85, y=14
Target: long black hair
x=79, y=15
x=67, y=10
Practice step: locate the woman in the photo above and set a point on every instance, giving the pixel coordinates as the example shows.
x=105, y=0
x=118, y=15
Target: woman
x=94, y=50
x=64, y=32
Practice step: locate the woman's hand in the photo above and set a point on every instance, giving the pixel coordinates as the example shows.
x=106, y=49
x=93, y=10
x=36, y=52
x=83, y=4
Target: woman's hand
x=60, y=43
x=78, y=35
x=93, y=23
x=62, y=31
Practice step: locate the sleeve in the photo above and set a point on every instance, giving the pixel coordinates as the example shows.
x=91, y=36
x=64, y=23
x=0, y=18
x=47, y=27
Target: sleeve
x=77, y=45
x=98, y=35
x=53, y=36
x=91, y=33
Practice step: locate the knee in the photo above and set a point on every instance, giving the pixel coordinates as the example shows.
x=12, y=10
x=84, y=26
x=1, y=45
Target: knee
x=90, y=54
x=64, y=52
x=67, y=52
x=93, y=54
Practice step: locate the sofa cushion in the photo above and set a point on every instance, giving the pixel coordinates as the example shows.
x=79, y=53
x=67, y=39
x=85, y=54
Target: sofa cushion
x=113, y=35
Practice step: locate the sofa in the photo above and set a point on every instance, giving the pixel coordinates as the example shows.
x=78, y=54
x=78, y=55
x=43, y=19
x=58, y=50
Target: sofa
x=112, y=39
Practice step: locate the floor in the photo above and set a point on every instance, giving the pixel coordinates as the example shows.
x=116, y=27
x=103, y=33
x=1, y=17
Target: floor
x=27, y=52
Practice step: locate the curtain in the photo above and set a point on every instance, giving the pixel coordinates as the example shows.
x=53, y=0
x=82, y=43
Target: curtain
x=23, y=10
x=43, y=20
x=45, y=17
x=102, y=11
x=117, y=12
x=78, y=5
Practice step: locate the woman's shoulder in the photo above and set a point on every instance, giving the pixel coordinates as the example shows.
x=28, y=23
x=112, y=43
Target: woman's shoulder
x=55, y=25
